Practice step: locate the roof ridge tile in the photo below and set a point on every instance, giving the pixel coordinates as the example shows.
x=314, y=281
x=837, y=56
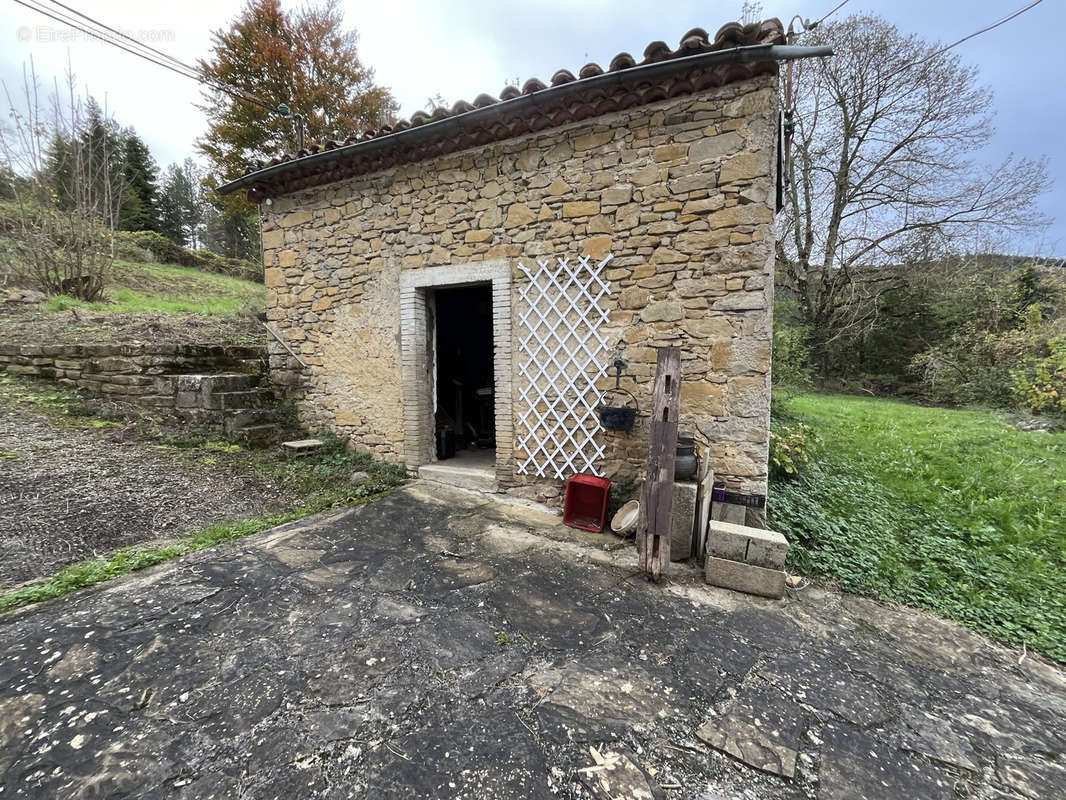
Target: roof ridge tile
x=694, y=42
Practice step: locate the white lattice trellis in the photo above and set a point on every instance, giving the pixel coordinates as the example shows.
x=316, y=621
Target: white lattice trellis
x=561, y=357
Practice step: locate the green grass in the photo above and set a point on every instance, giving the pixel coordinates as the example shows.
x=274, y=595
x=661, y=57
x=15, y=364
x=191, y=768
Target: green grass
x=141, y=288
x=948, y=510
x=130, y=559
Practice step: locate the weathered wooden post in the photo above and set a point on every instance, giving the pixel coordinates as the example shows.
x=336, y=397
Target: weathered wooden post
x=653, y=530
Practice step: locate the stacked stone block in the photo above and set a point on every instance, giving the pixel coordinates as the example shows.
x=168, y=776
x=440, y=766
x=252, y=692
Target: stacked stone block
x=746, y=559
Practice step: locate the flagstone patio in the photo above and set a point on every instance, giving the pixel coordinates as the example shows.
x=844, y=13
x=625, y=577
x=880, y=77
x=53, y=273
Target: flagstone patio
x=436, y=644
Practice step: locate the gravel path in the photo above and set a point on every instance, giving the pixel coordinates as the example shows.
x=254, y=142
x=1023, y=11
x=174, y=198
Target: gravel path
x=72, y=494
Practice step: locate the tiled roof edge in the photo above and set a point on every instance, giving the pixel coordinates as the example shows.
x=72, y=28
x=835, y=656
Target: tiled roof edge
x=735, y=53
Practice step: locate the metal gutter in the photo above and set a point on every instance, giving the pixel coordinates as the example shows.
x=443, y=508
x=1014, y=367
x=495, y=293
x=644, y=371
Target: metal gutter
x=745, y=54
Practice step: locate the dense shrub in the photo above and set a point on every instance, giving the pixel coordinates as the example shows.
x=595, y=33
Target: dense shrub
x=161, y=248
x=793, y=447
x=791, y=360
x=995, y=367
x=971, y=368
x=951, y=331
x=1042, y=385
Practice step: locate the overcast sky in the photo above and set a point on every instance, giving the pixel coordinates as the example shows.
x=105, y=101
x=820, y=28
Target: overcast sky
x=460, y=48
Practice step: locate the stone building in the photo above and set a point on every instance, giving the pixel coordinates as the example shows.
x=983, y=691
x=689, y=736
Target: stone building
x=479, y=270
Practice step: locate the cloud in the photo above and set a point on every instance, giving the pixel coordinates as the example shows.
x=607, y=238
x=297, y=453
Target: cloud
x=460, y=48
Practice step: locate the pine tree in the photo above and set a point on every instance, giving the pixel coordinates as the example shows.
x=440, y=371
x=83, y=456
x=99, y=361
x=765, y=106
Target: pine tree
x=139, y=210
x=98, y=158
x=59, y=171
x=180, y=205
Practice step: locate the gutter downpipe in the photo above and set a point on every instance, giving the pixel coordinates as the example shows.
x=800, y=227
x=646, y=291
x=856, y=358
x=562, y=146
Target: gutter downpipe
x=746, y=54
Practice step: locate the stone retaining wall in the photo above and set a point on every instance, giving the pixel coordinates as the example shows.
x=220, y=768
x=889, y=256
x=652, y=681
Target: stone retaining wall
x=145, y=374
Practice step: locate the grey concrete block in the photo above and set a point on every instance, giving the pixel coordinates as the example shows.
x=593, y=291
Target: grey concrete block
x=745, y=577
x=298, y=447
x=756, y=546
x=682, y=520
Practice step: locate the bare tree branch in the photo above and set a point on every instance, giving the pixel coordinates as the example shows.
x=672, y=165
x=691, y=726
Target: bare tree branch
x=882, y=169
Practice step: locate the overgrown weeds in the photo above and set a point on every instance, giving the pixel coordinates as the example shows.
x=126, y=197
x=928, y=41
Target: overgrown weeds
x=947, y=510
x=166, y=289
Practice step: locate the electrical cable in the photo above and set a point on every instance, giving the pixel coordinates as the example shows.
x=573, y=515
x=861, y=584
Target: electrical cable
x=176, y=66
x=195, y=71
x=827, y=16
x=120, y=33
x=967, y=38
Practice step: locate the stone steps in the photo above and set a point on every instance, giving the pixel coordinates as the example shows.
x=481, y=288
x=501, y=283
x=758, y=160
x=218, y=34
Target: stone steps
x=196, y=391
x=242, y=399
x=481, y=479
x=233, y=400
x=233, y=421
x=258, y=435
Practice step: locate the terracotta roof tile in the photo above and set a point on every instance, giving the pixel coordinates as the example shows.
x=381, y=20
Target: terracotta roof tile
x=596, y=101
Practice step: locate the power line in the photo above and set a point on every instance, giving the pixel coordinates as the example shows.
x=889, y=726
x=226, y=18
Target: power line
x=192, y=71
x=195, y=71
x=176, y=66
x=827, y=16
x=967, y=38
x=123, y=35
x=791, y=37
x=96, y=35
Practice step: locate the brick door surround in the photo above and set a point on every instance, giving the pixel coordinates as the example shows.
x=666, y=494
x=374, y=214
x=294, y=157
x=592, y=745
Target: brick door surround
x=418, y=428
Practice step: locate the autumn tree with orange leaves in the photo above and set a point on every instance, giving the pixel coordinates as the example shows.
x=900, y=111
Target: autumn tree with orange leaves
x=305, y=59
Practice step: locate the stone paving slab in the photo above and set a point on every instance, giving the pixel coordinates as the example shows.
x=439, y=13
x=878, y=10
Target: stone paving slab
x=354, y=655
x=747, y=578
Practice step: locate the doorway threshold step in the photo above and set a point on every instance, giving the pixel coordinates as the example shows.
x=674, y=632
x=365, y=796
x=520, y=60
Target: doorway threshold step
x=479, y=478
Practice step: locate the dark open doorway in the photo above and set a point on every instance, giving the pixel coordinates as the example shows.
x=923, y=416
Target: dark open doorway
x=465, y=401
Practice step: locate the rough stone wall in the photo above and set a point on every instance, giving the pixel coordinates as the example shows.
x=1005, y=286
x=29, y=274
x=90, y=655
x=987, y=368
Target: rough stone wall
x=681, y=192
x=144, y=374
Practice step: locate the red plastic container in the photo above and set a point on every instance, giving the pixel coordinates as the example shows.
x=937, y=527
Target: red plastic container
x=585, y=505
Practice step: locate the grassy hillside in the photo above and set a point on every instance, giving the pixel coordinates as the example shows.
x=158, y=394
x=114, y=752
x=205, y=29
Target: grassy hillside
x=139, y=288
x=950, y=510
x=145, y=302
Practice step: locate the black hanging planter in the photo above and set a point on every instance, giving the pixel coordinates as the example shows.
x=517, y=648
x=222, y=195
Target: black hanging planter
x=617, y=418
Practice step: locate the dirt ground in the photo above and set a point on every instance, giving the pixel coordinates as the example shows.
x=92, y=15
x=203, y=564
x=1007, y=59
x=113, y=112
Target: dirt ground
x=434, y=644
x=21, y=322
x=72, y=493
